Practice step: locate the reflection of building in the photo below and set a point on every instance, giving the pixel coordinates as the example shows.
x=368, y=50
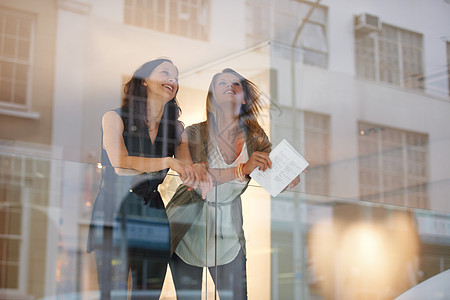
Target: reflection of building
x=393, y=166
x=368, y=116
x=368, y=108
x=28, y=233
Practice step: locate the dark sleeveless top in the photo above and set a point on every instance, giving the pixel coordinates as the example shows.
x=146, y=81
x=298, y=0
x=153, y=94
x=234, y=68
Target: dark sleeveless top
x=122, y=198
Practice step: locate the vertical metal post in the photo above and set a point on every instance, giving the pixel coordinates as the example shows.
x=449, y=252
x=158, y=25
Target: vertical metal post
x=215, y=239
x=299, y=266
x=107, y=244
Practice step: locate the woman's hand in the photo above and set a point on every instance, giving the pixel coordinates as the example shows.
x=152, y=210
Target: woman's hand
x=185, y=171
x=204, y=179
x=195, y=176
x=294, y=182
x=258, y=159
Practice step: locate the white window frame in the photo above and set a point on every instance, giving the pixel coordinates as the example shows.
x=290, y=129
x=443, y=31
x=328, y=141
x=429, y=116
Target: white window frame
x=17, y=166
x=153, y=13
x=293, y=124
x=377, y=38
x=9, y=108
x=318, y=162
x=381, y=155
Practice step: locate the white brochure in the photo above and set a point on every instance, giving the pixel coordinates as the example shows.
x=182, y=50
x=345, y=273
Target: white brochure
x=287, y=164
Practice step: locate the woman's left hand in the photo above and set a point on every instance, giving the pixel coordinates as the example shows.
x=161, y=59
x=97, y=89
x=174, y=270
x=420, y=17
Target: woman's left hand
x=294, y=182
x=203, y=179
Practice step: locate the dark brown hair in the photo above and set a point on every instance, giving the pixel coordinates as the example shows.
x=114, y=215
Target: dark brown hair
x=134, y=103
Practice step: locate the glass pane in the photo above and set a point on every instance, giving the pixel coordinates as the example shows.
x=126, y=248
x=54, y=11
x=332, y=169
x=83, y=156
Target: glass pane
x=6, y=70
x=11, y=25
x=138, y=18
x=161, y=7
x=11, y=275
x=13, y=249
x=161, y=23
x=9, y=48
x=25, y=28
x=127, y=16
x=23, y=50
x=5, y=91
x=187, y=19
x=21, y=72
x=3, y=221
x=370, y=219
x=285, y=28
x=20, y=93
x=313, y=36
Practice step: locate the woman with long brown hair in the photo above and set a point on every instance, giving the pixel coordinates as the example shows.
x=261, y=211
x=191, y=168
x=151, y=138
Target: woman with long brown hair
x=141, y=141
x=209, y=233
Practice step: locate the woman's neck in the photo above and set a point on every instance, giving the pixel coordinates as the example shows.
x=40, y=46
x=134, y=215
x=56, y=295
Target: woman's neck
x=155, y=110
x=228, y=124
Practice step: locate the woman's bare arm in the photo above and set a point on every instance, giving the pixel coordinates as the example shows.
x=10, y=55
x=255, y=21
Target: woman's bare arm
x=118, y=155
x=202, y=178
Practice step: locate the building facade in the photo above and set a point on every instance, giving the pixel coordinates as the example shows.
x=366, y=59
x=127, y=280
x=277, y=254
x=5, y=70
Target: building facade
x=360, y=88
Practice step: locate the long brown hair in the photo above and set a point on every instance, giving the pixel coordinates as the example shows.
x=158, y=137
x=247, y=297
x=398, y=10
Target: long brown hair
x=134, y=101
x=134, y=105
x=248, y=112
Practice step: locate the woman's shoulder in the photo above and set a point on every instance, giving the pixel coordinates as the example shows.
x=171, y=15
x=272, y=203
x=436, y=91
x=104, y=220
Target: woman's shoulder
x=197, y=128
x=112, y=118
x=254, y=129
x=257, y=138
x=198, y=125
x=197, y=134
x=111, y=115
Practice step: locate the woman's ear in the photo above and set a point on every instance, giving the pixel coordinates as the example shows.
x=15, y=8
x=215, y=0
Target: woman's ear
x=144, y=82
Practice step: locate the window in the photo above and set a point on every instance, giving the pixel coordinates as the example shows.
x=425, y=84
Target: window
x=393, y=166
x=189, y=18
x=316, y=128
x=16, y=39
x=279, y=21
x=317, y=145
x=10, y=237
x=24, y=186
x=391, y=55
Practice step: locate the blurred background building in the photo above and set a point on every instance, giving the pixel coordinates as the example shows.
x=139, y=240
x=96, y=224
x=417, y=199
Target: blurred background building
x=360, y=88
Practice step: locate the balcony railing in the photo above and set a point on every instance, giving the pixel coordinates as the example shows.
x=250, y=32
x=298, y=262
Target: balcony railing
x=298, y=245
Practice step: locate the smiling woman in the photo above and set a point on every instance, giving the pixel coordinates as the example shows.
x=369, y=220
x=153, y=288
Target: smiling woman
x=229, y=94
x=141, y=141
x=232, y=144
x=161, y=85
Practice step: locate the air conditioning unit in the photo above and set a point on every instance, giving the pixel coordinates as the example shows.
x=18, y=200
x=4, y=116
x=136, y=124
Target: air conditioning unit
x=365, y=23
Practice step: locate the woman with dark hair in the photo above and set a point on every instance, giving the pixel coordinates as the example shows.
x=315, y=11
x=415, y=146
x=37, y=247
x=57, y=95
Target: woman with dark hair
x=209, y=233
x=141, y=141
